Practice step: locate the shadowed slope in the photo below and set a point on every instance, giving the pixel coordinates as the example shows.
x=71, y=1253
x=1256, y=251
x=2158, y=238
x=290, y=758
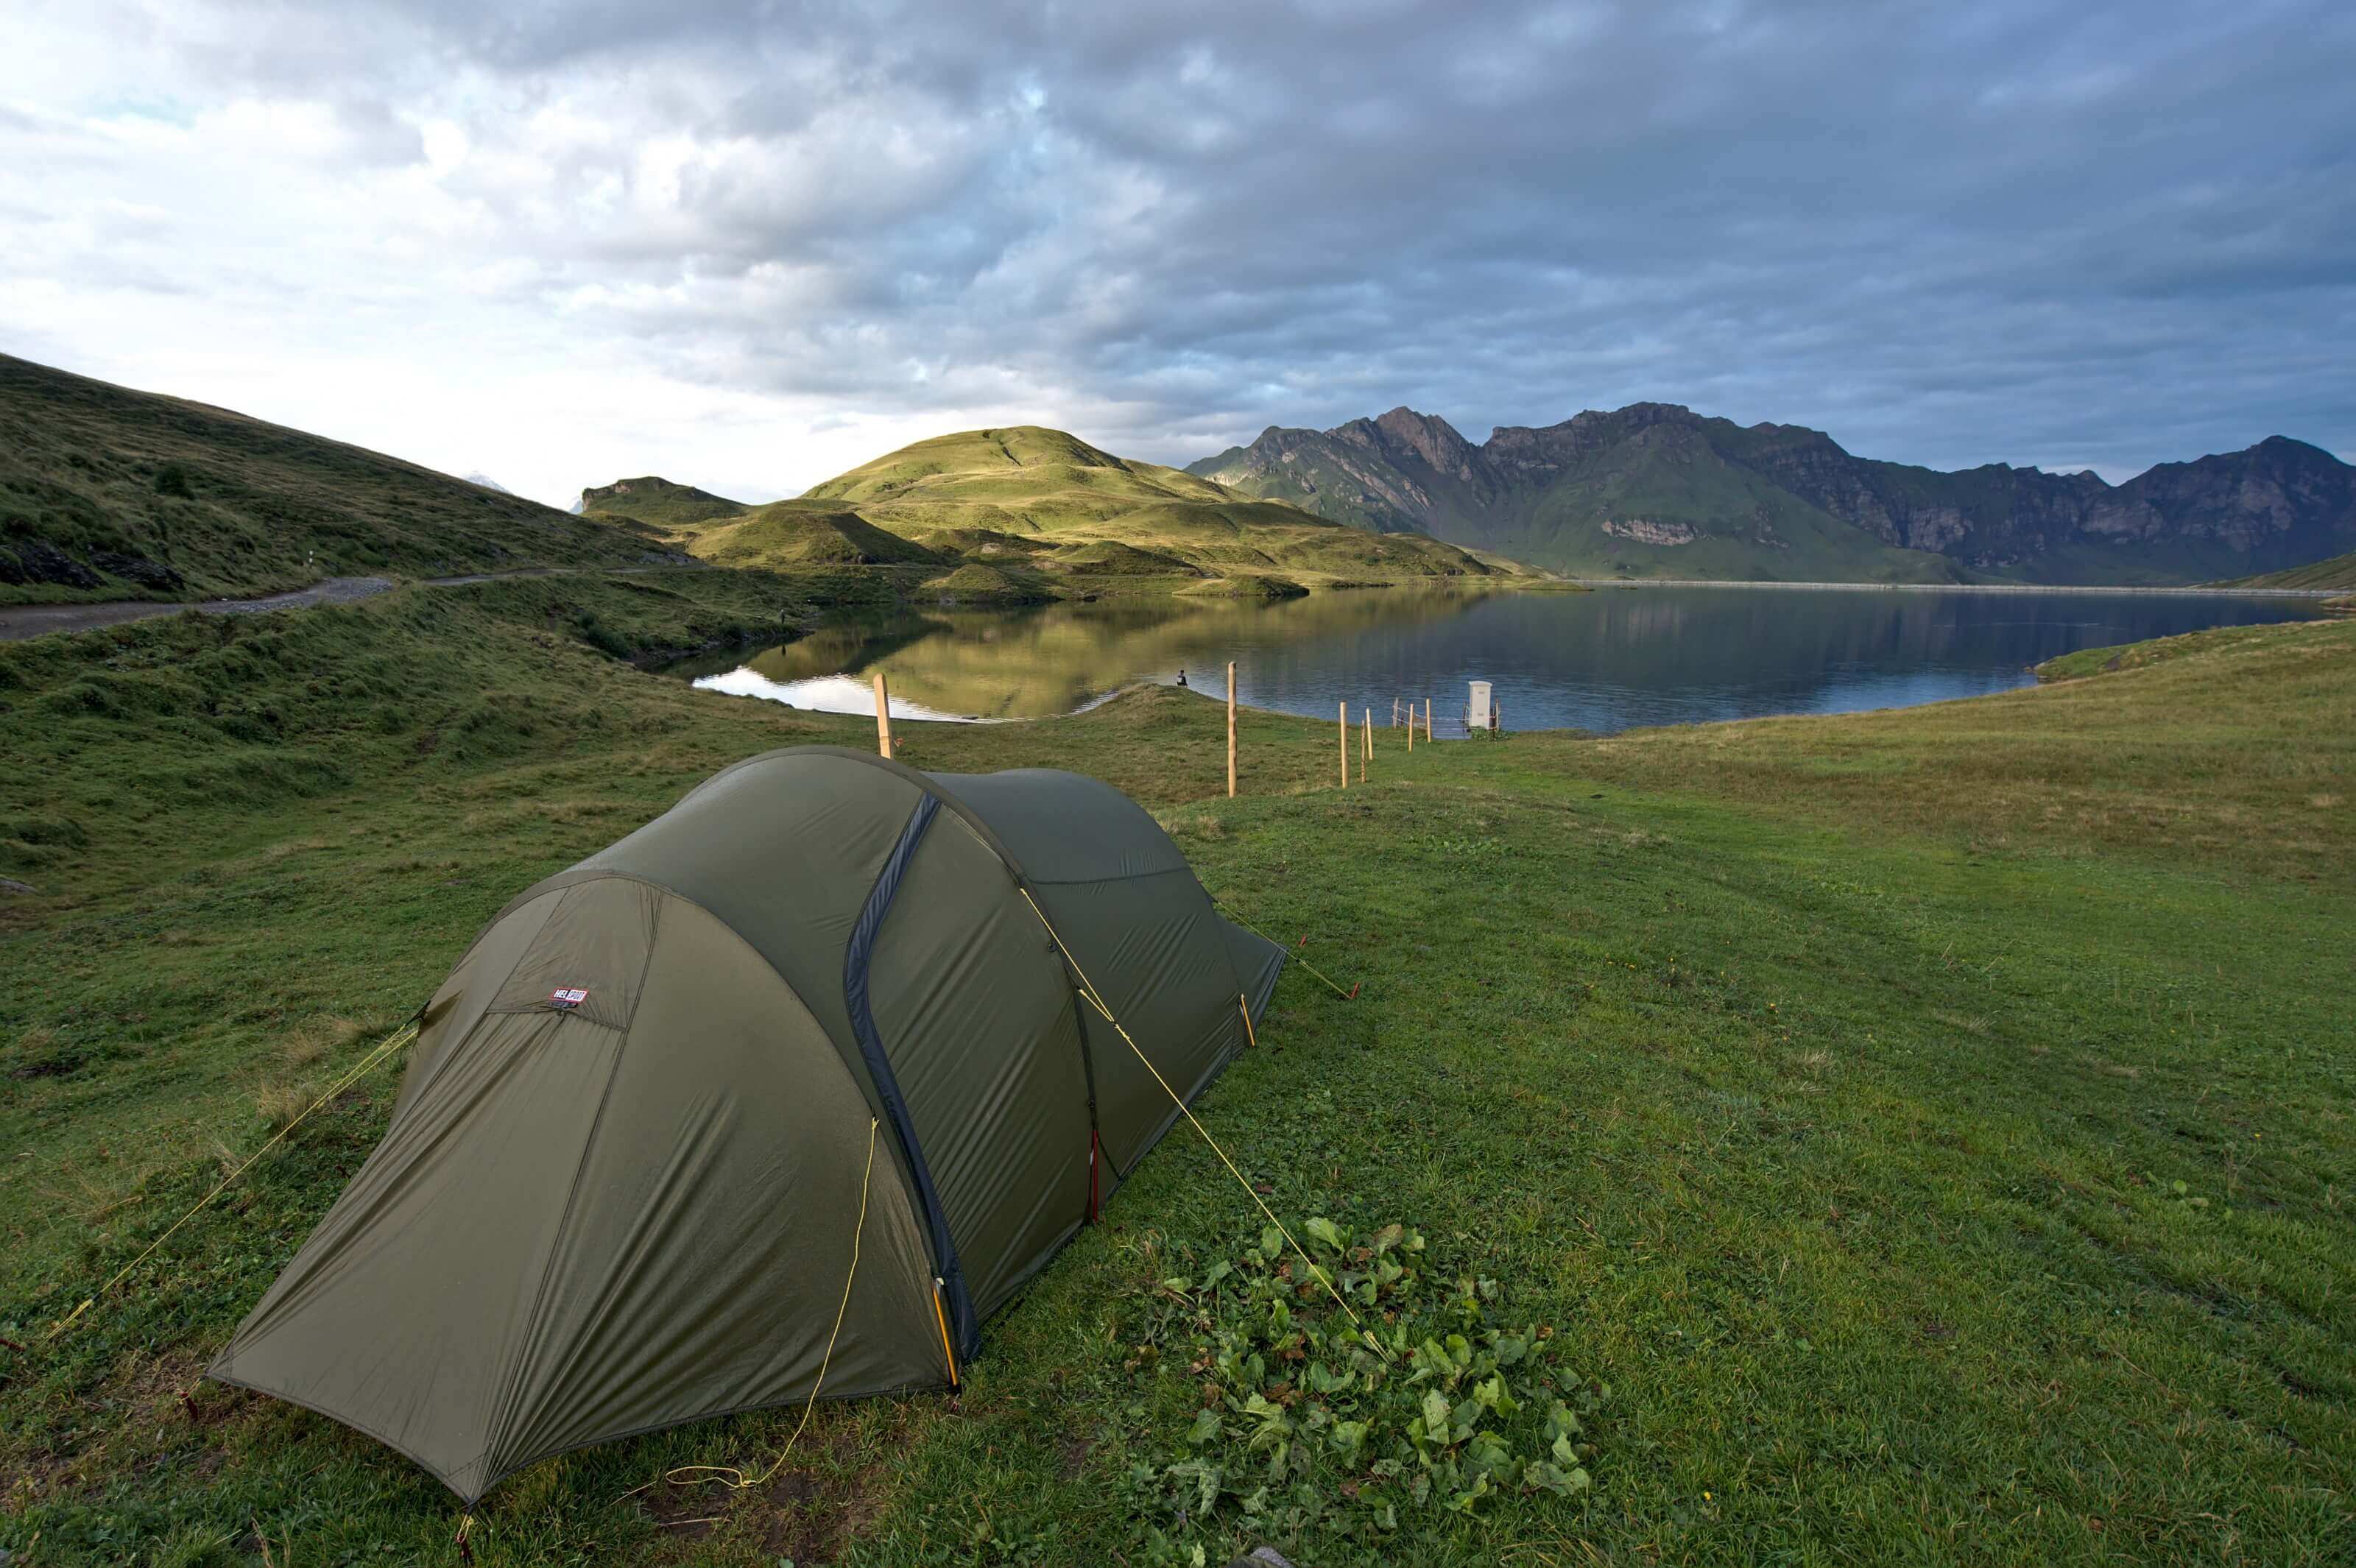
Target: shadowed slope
x=106, y=493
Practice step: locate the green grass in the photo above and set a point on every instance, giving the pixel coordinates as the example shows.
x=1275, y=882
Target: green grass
x=979, y=583
x=2339, y=572
x=1911, y=1136
x=107, y=493
x=805, y=533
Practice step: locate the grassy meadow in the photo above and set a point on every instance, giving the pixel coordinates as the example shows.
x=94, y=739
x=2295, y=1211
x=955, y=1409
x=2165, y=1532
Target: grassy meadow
x=1918, y=1136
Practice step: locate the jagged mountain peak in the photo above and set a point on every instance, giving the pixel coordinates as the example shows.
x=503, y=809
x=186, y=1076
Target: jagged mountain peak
x=1659, y=489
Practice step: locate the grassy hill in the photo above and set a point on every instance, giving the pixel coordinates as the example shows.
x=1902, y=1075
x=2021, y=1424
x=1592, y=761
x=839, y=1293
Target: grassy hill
x=107, y=493
x=658, y=502
x=806, y=533
x=1050, y=517
x=1883, y=1136
x=2339, y=572
x=1067, y=500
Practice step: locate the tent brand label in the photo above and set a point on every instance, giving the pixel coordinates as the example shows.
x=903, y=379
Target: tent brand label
x=571, y=997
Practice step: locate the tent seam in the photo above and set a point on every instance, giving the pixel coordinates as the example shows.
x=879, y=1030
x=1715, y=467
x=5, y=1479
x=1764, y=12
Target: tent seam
x=573, y=1190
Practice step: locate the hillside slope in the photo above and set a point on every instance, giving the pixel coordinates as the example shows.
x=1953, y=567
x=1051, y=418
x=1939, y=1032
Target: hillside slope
x=1048, y=514
x=1052, y=502
x=106, y=493
x=807, y=533
x=2337, y=571
x=1656, y=490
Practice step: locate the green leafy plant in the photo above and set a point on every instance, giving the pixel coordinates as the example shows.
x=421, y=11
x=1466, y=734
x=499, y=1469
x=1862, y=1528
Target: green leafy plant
x=1430, y=1401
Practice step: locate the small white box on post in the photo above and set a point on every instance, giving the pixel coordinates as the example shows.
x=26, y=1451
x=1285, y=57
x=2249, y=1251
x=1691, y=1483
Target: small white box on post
x=1476, y=711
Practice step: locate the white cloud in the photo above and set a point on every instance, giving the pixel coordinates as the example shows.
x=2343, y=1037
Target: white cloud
x=748, y=248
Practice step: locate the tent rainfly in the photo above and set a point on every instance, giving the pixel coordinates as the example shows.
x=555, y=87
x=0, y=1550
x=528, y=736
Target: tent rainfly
x=623, y=1179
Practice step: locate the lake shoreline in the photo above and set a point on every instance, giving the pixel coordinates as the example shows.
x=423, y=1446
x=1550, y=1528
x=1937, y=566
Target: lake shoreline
x=1591, y=663
x=2196, y=589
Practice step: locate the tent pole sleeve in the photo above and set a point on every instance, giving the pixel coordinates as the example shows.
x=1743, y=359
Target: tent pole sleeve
x=965, y=1329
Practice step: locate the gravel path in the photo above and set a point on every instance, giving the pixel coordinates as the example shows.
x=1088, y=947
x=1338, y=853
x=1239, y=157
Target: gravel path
x=18, y=622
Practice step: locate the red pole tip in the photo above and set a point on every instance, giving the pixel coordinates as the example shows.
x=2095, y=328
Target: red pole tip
x=1304, y=939
x=1354, y=990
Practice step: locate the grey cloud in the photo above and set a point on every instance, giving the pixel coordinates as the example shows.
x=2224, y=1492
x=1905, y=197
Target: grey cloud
x=2107, y=234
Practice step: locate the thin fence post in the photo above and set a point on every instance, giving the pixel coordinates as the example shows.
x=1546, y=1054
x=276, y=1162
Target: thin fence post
x=1344, y=735
x=883, y=716
x=1410, y=729
x=1427, y=719
x=1231, y=729
x=1368, y=754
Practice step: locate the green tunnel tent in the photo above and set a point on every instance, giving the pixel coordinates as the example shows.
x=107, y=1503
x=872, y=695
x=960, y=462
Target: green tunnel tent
x=620, y=1184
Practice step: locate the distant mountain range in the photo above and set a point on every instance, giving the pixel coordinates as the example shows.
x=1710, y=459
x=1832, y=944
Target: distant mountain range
x=1656, y=490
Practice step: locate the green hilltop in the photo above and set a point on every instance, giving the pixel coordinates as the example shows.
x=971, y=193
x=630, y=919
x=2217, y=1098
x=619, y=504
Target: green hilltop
x=1051, y=516
x=106, y=493
x=1051, y=501
x=658, y=502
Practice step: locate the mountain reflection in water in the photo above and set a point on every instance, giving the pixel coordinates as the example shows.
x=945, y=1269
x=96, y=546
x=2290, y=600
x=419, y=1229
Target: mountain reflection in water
x=1603, y=661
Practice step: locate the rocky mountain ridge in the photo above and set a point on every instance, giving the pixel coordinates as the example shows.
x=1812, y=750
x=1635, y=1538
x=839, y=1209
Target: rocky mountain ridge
x=1627, y=491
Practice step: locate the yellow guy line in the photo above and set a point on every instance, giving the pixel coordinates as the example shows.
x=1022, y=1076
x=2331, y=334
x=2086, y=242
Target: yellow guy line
x=858, y=1230
x=1087, y=989
x=399, y=1038
x=1293, y=953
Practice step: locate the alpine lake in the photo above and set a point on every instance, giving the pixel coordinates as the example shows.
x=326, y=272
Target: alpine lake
x=1611, y=659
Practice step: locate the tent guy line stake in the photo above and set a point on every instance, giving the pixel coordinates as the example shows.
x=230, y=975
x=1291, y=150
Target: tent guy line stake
x=1088, y=989
x=859, y=1229
x=1350, y=994
x=399, y=1037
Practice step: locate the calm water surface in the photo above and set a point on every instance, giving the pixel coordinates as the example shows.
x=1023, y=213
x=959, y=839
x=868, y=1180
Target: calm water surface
x=1612, y=659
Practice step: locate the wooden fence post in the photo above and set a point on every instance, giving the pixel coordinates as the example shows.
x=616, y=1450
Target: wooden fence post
x=883, y=716
x=1410, y=729
x=1343, y=734
x=1231, y=729
x=1427, y=719
x=1368, y=754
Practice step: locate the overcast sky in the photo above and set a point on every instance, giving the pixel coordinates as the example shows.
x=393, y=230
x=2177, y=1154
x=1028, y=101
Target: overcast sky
x=749, y=246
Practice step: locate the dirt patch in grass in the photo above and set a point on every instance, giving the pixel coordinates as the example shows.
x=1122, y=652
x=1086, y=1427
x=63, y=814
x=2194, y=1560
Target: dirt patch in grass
x=801, y=1517
x=685, y=1512
x=806, y=1516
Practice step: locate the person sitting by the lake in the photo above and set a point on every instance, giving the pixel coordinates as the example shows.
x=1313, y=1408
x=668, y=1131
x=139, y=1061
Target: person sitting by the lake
x=1181, y=677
